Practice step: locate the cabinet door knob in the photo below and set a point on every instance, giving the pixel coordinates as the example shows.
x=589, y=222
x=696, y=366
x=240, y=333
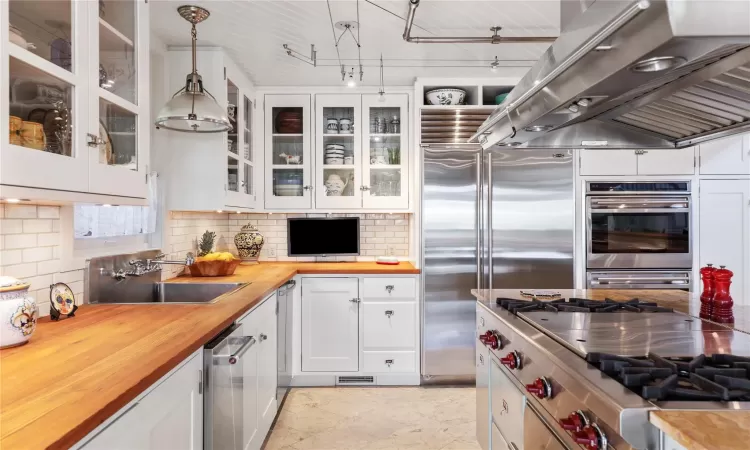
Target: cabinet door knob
x=389, y=313
x=307, y=188
x=355, y=300
x=263, y=337
x=364, y=188
x=390, y=288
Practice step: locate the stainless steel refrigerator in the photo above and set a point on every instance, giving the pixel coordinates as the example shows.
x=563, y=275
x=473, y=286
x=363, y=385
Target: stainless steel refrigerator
x=500, y=219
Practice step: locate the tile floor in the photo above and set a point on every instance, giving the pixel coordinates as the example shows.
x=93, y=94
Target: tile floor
x=413, y=418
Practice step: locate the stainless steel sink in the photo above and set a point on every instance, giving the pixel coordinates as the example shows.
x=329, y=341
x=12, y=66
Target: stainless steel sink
x=192, y=292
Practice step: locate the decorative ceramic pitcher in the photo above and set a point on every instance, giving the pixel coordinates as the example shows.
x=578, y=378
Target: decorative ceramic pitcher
x=249, y=242
x=18, y=312
x=335, y=185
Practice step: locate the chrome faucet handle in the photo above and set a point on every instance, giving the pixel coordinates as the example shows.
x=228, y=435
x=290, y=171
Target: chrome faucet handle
x=136, y=262
x=189, y=259
x=160, y=256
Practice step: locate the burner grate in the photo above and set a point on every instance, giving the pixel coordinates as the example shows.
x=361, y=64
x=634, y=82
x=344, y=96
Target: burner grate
x=516, y=306
x=711, y=378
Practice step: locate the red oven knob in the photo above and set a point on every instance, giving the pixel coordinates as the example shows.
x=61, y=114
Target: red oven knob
x=576, y=421
x=512, y=360
x=591, y=437
x=491, y=339
x=541, y=387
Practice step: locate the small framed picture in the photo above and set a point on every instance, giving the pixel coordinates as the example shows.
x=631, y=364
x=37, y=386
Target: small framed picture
x=62, y=301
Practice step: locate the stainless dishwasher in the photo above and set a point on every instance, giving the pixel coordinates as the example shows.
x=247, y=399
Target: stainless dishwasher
x=224, y=377
x=284, y=308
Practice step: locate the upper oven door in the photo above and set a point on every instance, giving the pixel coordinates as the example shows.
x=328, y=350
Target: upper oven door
x=638, y=232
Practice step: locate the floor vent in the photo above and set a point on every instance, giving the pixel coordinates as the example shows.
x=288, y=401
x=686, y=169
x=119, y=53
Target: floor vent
x=354, y=380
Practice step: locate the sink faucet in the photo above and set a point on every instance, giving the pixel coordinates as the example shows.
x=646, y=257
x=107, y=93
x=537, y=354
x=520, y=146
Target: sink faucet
x=142, y=267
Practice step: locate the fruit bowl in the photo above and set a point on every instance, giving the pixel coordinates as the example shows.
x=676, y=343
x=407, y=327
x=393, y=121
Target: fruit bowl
x=216, y=268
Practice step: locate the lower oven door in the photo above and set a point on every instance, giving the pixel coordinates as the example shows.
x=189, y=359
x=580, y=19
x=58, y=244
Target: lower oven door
x=507, y=405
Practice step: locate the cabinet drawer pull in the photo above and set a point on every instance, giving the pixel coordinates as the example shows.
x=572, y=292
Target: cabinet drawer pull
x=389, y=362
x=390, y=288
x=389, y=313
x=263, y=337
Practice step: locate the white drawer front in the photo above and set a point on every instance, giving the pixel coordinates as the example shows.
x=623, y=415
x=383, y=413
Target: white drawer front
x=390, y=288
x=389, y=362
x=389, y=325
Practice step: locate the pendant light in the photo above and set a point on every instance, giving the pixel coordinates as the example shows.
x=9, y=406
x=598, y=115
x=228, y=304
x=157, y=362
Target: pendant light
x=193, y=108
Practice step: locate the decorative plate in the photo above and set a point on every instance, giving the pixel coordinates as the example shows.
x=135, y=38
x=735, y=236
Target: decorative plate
x=62, y=298
x=106, y=150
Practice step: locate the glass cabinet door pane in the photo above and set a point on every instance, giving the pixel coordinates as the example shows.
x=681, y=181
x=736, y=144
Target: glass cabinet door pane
x=385, y=182
x=117, y=128
x=338, y=137
x=232, y=98
x=338, y=182
x=247, y=141
x=385, y=136
x=287, y=182
x=44, y=28
x=40, y=107
x=233, y=170
x=117, y=44
x=248, y=179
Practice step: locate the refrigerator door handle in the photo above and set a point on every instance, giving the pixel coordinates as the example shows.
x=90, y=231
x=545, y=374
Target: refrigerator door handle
x=479, y=220
x=489, y=221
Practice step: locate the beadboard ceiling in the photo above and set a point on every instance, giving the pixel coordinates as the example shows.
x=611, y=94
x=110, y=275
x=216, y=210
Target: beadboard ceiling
x=253, y=33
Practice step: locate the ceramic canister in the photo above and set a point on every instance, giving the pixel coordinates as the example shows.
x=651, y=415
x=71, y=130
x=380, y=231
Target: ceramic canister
x=18, y=312
x=249, y=242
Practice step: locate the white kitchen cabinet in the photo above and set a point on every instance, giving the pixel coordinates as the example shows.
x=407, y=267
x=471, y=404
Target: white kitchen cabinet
x=330, y=324
x=724, y=215
x=389, y=325
x=608, y=162
x=78, y=74
x=637, y=162
x=385, y=140
x=338, y=151
x=668, y=443
x=211, y=171
x=667, y=162
x=170, y=415
x=729, y=156
x=389, y=362
x=267, y=363
x=288, y=159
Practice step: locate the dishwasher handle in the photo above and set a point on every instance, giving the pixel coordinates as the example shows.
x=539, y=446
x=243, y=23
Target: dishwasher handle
x=245, y=343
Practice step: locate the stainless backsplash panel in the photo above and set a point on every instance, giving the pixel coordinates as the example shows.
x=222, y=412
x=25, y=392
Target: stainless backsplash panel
x=100, y=286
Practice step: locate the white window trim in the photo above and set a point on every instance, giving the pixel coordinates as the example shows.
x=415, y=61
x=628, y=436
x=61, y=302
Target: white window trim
x=74, y=252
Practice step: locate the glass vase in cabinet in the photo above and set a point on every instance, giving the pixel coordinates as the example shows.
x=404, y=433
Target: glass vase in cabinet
x=385, y=161
x=287, y=152
x=338, y=151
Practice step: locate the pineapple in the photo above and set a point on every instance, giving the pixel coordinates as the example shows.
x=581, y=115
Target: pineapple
x=206, y=243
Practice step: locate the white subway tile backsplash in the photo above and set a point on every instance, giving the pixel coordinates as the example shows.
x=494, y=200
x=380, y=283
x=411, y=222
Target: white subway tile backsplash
x=20, y=211
x=48, y=212
x=11, y=226
x=37, y=254
x=37, y=226
x=21, y=271
x=12, y=241
x=46, y=239
x=9, y=257
x=46, y=267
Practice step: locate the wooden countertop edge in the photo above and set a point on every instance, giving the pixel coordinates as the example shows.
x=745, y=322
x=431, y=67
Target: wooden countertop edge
x=82, y=429
x=694, y=432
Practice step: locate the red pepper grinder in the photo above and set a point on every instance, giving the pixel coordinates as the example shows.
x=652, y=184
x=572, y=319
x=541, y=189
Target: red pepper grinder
x=707, y=297
x=722, y=304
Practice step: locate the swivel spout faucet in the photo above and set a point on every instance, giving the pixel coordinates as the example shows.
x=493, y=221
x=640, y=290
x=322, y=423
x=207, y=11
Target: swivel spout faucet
x=142, y=267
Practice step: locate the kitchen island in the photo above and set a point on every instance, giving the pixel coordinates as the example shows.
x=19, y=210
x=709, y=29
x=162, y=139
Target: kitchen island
x=690, y=427
x=85, y=369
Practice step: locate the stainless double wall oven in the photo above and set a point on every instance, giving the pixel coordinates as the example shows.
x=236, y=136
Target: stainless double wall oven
x=638, y=234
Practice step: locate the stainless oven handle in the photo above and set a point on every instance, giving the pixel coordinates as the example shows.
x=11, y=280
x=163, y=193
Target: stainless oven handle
x=640, y=201
x=666, y=278
x=637, y=210
x=489, y=219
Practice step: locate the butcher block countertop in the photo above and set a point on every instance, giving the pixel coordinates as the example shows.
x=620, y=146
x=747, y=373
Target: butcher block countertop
x=699, y=430
x=73, y=375
x=705, y=430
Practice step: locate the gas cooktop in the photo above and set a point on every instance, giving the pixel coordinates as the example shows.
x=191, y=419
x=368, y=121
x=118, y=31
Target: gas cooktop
x=717, y=377
x=580, y=305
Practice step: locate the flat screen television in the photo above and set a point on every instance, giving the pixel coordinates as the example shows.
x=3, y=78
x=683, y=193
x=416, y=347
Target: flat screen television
x=335, y=236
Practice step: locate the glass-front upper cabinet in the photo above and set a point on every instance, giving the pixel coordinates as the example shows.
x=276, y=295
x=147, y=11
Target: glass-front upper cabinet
x=385, y=161
x=338, y=151
x=42, y=101
x=76, y=88
x=240, y=166
x=119, y=119
x=288, y=165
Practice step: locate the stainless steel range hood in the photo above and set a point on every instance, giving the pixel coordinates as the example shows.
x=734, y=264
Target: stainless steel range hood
x=624, y=74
